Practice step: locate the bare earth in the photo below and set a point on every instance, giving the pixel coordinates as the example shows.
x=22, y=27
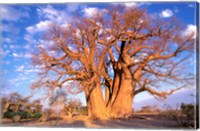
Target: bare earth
x=137, y=121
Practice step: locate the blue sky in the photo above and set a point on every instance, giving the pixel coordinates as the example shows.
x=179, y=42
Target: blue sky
x=22, y=26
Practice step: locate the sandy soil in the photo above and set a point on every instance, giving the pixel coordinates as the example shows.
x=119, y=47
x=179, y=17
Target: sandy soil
x=136, y=121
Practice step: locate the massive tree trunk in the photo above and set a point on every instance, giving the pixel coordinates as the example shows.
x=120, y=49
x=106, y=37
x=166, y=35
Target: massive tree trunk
x=98, y=108
x=122, y=105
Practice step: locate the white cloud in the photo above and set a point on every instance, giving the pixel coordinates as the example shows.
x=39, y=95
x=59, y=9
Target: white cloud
x=42, y=26
x=15, y=55
x=51, y=15
x=131, y=4
x=166, y=13
x=92, y=11
x=39, y=27
x=57, y=16
x=190, y=30
x=89, y=12
x=11, y=14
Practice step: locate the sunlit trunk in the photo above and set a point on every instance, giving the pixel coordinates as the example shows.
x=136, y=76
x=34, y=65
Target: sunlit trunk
x=115, y=87
x=88, y=102
x=122, y=105
x=97, y=102
x=107, y=95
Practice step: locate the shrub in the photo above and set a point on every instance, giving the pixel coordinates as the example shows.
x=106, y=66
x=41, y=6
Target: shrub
x=183, y=115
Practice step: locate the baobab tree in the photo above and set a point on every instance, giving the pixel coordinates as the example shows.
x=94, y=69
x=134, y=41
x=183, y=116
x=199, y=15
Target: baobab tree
x=126, y=51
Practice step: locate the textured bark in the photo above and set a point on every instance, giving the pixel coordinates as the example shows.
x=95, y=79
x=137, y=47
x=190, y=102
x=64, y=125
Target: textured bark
x=88, y=102
x=107, y=95
x=122, y=105
x=97, y=102
x=115, y=87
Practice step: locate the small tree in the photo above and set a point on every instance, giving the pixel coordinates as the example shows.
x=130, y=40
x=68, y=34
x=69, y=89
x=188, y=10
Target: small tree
x=72, y=107
x=58, y=100
x=37, y=104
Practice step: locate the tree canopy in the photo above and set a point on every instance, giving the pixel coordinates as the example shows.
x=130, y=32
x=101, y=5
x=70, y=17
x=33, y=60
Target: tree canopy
x=125, y=51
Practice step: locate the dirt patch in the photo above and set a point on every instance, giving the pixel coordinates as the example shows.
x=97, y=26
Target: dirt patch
x=136, y=121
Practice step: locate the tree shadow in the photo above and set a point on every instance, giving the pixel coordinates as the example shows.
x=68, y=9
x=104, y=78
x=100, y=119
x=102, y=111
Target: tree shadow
x=73, y=124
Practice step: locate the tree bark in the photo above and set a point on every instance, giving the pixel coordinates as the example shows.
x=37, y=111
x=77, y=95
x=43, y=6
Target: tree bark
x=122, y=105
x=88, y=102
x=98, y=108
x=115, y=88
x=107, y=95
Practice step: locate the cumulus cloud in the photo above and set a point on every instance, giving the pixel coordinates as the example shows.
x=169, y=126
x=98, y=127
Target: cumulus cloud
x=131, y=4
x=190, y=29
x=9, y=13
x=39, y=27
x=91, y=11
x=166, y=13
x=52, y=14
x=49, y=15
